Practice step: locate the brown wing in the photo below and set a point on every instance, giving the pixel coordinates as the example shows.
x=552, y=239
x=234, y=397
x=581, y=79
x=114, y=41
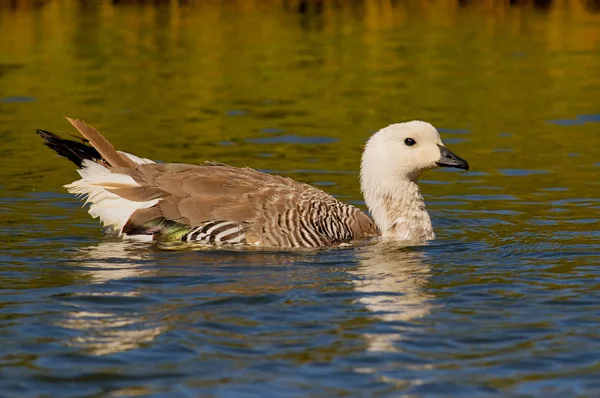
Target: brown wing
x=273, y=210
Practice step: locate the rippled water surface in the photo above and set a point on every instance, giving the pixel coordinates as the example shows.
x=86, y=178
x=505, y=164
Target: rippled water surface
x=506, y=302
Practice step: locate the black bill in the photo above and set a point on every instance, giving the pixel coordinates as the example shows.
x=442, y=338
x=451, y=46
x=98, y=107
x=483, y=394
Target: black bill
x=448, y=159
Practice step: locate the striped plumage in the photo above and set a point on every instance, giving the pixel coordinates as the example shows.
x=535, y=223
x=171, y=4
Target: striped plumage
x=217, y=232
x=312, y=223
x=217, y=204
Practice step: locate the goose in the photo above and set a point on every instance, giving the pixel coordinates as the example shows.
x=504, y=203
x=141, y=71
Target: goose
x=217, y=204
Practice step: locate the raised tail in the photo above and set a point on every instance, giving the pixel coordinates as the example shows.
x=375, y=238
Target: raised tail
x=95, y=147
x=75, y=151
x=101, y=168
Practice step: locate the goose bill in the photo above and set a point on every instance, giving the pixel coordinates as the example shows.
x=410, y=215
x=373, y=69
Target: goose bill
x=448, y=159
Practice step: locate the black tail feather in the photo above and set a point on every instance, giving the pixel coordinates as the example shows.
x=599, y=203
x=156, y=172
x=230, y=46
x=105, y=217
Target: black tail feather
x=75, y=151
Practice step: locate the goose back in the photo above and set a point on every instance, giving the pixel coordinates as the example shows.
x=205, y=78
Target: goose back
x=220, y=204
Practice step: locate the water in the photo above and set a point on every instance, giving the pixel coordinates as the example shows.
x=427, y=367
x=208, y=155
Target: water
x=505, y=302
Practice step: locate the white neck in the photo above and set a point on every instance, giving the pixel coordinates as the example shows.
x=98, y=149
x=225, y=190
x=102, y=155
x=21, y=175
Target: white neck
x=397, y=207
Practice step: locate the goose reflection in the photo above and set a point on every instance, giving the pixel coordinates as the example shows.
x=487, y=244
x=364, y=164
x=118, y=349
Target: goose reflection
x=103, y=329
x=123, y=307
x=393, y=279
x=114, y=315
x=113, y=260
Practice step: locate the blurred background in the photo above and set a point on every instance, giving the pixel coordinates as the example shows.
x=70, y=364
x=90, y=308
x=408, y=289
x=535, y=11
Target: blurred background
x=505, y=303
x=292, y=85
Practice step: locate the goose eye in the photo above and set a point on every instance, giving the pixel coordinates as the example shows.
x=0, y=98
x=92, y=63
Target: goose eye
x=410, y=142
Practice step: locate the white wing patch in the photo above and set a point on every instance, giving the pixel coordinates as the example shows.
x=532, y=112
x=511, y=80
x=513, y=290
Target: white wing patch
x=137, y=159
x=113, y=210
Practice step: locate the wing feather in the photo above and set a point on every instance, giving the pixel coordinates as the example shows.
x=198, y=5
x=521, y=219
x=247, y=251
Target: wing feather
x=102, y=145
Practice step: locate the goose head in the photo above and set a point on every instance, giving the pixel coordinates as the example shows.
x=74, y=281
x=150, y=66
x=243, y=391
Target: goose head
x=406, y=150
x=393, y=160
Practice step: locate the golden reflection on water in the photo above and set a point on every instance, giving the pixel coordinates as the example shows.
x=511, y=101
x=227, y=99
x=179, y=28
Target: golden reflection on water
x=205, y=80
